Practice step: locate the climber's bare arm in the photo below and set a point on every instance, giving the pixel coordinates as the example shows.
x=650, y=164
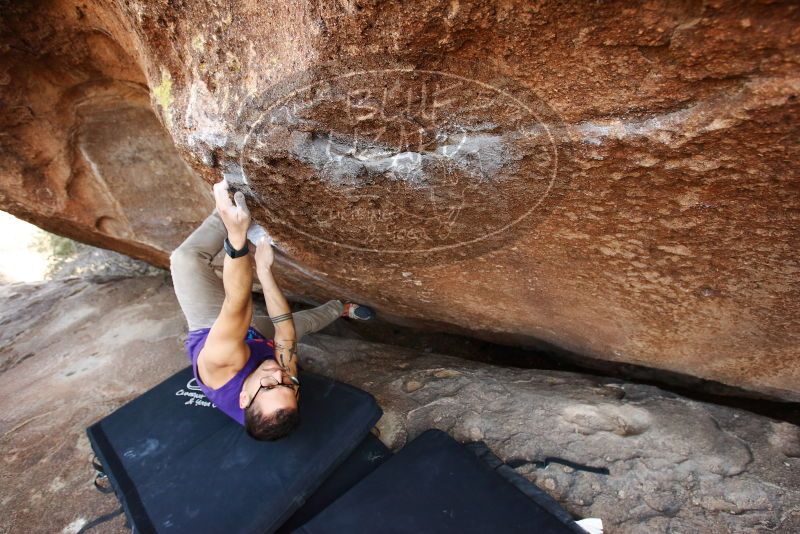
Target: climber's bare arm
x=278, y=309
x=225, y=351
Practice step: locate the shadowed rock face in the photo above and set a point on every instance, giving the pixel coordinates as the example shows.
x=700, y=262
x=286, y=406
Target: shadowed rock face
x=617, y=181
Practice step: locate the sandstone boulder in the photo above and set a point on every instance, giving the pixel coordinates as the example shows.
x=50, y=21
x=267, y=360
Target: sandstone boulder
x=619, y=181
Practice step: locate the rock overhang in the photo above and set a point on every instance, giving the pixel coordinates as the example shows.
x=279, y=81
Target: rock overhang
x=667, y=239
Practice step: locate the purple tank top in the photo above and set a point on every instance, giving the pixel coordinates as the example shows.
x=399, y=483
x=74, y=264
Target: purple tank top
x=226, y=398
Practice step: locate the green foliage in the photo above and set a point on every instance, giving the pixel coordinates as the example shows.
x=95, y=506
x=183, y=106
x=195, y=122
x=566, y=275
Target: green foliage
x=60, y=247
x=58, y=250
x=66, y=258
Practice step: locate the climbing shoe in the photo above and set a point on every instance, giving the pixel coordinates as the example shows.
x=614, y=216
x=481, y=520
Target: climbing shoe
x=355, y=311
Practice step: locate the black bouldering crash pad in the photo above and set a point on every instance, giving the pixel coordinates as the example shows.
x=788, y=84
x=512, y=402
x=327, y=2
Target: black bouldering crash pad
x=435, y=484
x=178, y=464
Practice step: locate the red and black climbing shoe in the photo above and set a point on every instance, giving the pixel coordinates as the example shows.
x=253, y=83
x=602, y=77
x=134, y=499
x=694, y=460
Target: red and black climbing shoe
x=358, y=312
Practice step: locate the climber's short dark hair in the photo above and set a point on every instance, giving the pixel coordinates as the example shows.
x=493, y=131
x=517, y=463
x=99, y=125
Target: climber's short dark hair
x=271, y=426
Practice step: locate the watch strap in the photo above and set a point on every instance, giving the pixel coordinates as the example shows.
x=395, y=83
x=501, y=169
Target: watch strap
x=232, y=252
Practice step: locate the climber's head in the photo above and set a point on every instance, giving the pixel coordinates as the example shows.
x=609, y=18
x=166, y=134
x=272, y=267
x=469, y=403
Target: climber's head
x=269, y=400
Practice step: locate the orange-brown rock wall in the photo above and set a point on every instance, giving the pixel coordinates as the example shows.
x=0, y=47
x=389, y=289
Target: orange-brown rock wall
x=619, y=180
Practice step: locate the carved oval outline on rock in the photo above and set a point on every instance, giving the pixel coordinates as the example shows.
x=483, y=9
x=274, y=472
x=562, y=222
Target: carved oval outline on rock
x=261, y=110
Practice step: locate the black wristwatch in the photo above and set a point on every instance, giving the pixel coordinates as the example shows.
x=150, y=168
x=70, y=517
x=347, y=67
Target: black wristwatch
x=232, y=252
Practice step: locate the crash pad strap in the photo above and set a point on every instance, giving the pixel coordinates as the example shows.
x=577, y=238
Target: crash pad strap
x=122, y=484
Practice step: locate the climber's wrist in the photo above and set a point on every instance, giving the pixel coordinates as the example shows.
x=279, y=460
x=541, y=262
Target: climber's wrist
x=237, y=240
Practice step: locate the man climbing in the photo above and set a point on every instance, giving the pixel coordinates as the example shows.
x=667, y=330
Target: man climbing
x=245, y=364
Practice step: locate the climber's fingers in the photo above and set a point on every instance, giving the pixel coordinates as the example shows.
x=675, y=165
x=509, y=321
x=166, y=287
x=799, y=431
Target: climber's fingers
x=238, y=198
x=221, y=195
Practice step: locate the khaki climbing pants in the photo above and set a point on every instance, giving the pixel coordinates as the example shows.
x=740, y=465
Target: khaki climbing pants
x=201, y=293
